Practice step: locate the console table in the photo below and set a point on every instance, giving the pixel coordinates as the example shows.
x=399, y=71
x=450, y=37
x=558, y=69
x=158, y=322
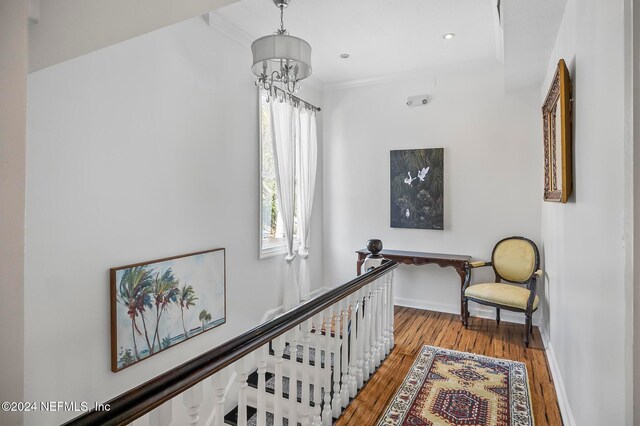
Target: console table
x=458, y=262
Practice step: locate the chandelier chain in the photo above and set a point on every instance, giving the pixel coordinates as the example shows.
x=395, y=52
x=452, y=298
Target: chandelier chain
x=282, y=18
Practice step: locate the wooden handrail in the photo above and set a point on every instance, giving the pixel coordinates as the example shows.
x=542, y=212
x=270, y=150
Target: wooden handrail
x=132, y=404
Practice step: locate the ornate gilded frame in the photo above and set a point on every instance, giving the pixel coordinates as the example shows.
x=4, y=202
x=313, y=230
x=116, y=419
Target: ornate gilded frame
x=558, y=176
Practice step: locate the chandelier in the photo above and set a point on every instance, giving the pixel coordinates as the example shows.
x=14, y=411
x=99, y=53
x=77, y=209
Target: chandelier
x=281, y=60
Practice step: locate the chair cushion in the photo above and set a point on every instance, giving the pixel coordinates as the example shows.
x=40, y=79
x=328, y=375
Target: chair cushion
x=514, y=259
x=501, y=294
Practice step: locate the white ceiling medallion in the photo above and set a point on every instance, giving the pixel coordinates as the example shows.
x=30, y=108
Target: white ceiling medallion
x=281, y=59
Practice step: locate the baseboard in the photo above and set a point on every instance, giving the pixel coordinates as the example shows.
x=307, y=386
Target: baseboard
x=558, y=383
x=475, y=310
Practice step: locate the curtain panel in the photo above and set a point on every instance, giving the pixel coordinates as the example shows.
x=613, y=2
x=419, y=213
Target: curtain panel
x=295, y=149
x=307, y=165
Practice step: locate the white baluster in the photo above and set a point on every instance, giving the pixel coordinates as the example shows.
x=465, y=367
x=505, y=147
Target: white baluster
x=379, y=325
x=384, y=338
x=326, y=410
x=192, y=398
x=344, y=389
x=161, y=416
x=360, y=340
x=353, y=384
x=392, y=310
x=306, y=366
x=387, y=313
x=293, y=377
x=219, y=382
x=373, y=345
x=366, y=369
x=317, y=379
x=278, y=348
x=263, y=354
x=241, y=380
x=383, y=319
x=336, y=401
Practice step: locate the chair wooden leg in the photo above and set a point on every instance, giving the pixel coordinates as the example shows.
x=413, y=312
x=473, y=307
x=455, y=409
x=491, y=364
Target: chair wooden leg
x=527, y=330
x=497, y=316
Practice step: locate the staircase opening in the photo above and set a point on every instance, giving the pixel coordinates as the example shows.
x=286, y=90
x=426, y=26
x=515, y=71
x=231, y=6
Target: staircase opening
x=302, y=367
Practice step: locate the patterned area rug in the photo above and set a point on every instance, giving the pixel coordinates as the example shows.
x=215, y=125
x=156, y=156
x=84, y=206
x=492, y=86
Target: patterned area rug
x=447, y=388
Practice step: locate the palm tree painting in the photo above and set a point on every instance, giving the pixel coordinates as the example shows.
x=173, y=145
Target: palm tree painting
x=204, y=317
x=158, y=304
x=165, y=291
x=133, y=294
x=187, y=299
x=417, y=188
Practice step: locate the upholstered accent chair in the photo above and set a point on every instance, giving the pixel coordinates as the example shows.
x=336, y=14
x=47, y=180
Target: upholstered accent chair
x=516, y=261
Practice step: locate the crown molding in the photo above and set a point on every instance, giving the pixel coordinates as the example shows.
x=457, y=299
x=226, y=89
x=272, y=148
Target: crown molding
x=315, y=82
x=429, y=72
x=227, y=28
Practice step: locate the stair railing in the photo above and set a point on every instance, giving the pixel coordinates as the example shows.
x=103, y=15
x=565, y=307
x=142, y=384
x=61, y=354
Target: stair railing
x=342, y=334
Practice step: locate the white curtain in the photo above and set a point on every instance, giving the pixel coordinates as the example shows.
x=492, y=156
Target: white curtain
x=285, y=130
x=307, y=165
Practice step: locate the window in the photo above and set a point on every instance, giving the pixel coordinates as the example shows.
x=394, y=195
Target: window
x=272, y=238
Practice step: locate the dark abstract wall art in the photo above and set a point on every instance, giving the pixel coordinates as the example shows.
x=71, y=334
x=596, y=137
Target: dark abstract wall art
x=417, y=188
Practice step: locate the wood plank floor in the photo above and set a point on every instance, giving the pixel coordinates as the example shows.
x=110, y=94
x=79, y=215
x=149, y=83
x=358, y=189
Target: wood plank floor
x=415, y=328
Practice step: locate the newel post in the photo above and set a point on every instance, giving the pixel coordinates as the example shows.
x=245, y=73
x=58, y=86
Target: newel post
x=379, y=327
x=374, y=259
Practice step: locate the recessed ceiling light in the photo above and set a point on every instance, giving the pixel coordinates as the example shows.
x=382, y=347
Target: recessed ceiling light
x=448, y=36
x=344, y=55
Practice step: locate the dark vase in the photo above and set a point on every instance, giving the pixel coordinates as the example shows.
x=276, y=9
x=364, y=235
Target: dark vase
x=375, y=247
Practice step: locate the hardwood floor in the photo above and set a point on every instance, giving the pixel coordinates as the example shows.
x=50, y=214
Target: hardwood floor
x=415, y=328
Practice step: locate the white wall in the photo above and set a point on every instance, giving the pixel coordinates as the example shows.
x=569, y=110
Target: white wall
x=139, y=151
x=492, y=173
x=636, y=208
x=583, y=240
x=13, y=142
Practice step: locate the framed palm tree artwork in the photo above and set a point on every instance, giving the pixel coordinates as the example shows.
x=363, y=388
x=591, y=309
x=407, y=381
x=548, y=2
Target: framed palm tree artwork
x=417, y=188
x=160, y=303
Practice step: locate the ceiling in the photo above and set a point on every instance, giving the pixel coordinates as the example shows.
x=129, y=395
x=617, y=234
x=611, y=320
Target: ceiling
x=383, y=37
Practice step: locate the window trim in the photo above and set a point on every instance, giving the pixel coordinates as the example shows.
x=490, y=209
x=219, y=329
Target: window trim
x=267, y=248
x=271, y=250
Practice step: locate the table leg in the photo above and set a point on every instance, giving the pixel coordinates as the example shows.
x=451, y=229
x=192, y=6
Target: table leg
x=462, y=272
x=359, y=263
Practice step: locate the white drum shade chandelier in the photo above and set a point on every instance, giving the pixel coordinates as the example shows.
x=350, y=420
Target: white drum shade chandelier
x=281, y=59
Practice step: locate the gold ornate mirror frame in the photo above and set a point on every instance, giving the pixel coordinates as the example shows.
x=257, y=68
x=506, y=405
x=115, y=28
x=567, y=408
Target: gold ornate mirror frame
x=556, y=117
